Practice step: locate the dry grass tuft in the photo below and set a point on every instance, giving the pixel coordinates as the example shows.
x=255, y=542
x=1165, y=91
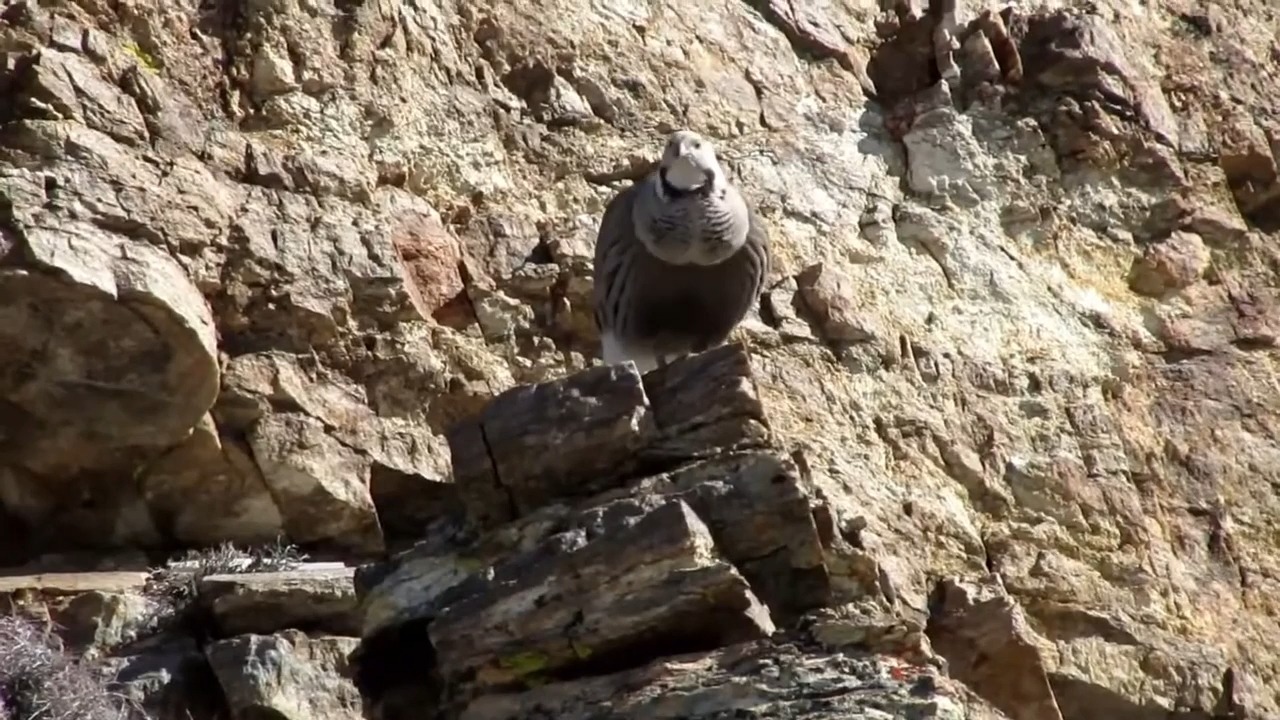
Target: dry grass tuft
x=173, y=587
x=38, y=681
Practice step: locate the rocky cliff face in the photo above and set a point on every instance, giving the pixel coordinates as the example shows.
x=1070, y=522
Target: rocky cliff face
x=264, y=263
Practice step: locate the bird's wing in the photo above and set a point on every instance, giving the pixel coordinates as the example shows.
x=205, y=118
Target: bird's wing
x=614, y=237
x=758, y=243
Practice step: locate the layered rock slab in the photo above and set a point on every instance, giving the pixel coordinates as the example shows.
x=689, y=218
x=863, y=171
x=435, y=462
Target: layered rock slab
x=989, y=644
x=89, y=611
x=765, y=680
x=575, y=437
x=651, y=582
x=314, y=599
x=664, y=522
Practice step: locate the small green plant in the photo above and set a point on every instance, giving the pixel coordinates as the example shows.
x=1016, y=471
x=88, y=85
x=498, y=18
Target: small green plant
x=38, y=681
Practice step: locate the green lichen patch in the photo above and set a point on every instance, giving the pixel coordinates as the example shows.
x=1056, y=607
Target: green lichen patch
x=526, y=663
x=142, y=56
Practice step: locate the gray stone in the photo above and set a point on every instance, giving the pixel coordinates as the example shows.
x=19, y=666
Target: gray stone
x=649, y=581
x=975, y=200
x=307, y=598
x=288, y=675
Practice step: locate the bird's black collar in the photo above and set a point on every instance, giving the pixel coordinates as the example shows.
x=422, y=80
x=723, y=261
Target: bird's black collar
x=675, y=193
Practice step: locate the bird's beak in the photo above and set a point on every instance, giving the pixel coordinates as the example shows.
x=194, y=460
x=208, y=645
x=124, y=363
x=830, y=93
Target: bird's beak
x=683, y=150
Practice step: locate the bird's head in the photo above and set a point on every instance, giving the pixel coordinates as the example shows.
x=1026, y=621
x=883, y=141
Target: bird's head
x=689, y=161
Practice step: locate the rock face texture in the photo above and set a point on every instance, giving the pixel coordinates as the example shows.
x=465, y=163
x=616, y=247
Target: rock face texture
x=320, y=270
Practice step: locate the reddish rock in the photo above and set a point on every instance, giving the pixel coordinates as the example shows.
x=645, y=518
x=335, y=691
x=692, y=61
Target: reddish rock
x=1232, y=312
x=1173, y=264
x=432, y=262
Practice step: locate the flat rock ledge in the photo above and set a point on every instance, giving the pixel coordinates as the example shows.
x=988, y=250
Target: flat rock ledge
x=623, y=527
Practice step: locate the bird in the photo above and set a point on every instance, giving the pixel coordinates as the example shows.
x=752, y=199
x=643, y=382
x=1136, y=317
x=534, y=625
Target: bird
x=681, y=256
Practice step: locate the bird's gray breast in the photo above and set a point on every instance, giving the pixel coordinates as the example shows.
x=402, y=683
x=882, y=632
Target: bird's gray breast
x=700, y=227
x=681, y=305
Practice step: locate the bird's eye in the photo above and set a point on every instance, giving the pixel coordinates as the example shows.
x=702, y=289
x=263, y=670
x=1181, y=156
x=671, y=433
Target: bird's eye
x=697, y=145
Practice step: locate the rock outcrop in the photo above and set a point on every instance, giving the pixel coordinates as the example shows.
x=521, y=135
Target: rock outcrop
x=668, y=547
x=595, y=563
x=321, y=271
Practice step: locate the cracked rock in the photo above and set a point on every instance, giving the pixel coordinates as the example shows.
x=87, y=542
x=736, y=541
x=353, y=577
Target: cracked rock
x=651, y=581
x=989, y=645
x=171, y=679
x=209, y=490
x=1022, y=411
x=603, y=423
x=1082, y=53
x=107, y=357
x=273, y=396
x=754, y=504
x=91, y=611
x=759, y=679
x=432, y=259
x=61, y=85
x=289, y=675
x=830, y=295
x=713, y=551
x=307, y=598
x=320, y=484
x=595, y=421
